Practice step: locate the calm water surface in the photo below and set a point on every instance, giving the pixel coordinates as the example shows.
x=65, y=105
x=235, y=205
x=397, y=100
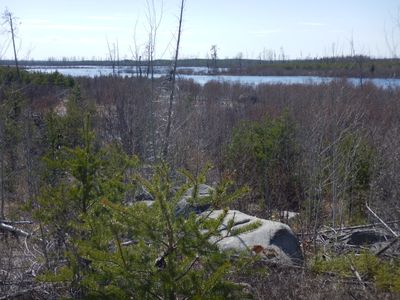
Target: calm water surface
x=93, y=71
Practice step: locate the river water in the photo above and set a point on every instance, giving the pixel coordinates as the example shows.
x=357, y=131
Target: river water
x=201, y=77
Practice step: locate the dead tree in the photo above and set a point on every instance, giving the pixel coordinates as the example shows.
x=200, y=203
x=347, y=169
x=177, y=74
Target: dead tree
x=173, y=79
x=154, y=22
x=8, y=18
x=113, y=55
x=136, y=55
x=214, y=57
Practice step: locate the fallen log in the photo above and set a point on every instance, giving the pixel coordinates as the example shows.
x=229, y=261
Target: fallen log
x=348, y=228
x=395, y=240
x=15, y=222
x=14, y=230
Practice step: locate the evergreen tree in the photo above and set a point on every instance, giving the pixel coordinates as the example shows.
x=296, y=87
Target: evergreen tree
x=115, y=251
x=76, y=179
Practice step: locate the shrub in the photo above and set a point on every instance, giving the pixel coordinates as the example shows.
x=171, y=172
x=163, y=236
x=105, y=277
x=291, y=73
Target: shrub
x=263, y=155
x=384, y=274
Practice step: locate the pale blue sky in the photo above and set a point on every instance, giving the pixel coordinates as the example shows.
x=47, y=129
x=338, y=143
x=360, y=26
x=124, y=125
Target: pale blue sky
x=81, y=28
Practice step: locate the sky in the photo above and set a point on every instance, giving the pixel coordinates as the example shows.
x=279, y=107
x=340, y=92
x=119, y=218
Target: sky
x=246, y=28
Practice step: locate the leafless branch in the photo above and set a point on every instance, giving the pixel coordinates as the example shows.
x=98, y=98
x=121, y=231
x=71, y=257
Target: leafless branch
x=380, y=220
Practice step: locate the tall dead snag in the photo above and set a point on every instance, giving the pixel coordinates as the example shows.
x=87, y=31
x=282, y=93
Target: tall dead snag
x=154, y=22
x=173, y=78
x=136, y=55
x=113, y=54
x=8, y=18
x=214, y=57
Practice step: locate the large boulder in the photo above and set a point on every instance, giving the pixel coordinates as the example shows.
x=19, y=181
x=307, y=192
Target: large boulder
x=185, y=206
x=274, y=240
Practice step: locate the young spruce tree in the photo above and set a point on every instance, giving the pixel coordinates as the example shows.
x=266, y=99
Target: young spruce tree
x=118, y=251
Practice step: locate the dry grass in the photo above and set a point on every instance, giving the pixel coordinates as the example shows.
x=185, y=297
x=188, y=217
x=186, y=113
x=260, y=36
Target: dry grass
x=289, y=283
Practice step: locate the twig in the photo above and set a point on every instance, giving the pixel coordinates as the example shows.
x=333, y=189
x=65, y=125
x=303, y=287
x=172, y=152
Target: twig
x=130, y=242
x=380, y=220
x=28, y=251
x=387, y=246
x=187, y=269
x=355, y=272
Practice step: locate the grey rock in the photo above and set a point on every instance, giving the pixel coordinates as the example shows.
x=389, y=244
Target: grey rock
x=203, y=190
x=185, y=206
x=272, y=239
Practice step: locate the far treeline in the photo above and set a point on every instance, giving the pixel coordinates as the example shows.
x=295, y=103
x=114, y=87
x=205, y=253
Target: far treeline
x=346, y=66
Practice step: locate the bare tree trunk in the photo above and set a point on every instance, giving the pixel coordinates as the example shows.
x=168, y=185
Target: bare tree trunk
x=136, y=56
x=172, y=95
x=154, y=21
x=112, y=55
x=13, y=41
x=8, y=17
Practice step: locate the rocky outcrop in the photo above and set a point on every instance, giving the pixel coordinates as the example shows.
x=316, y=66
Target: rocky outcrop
x=274, y=240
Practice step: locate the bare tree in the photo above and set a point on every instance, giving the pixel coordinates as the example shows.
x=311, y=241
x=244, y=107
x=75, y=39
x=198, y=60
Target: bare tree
x=113, y=55
x=358, y=60
x=282, y=54
x=9, y=19
x=173, y=79
x=153, y=21
x=136, y=54
x=214, y=56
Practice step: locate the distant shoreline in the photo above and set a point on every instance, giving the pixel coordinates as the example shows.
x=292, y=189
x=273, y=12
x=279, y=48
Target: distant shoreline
x=358, y=66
